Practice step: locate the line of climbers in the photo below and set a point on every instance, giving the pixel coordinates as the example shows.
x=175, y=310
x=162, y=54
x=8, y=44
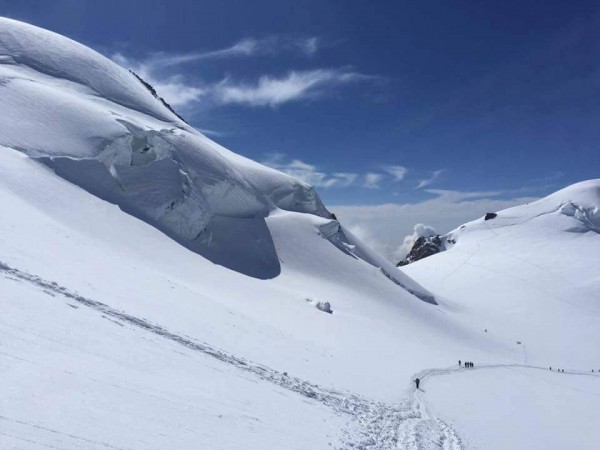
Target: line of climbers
x=467, y=365
x=470, y=365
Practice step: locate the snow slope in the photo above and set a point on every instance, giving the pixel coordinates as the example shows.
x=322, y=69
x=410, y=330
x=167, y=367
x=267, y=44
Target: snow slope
x=530, y=274
x=519, y=407
x=81, y=379
x=159, y=291
x=97, y=125
x=106, y=254
x=65, y=252
x=177, y=203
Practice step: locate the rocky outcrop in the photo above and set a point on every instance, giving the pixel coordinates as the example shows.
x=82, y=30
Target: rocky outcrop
x=423, y=247
x=155, y=94
x=324, y=306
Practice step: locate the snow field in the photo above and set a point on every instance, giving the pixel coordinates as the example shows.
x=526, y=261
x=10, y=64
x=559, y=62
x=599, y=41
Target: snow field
x=519, y=407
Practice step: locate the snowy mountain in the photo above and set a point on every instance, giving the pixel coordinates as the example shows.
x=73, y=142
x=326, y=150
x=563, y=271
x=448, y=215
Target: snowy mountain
x=423, y=247
x=542, y=257
x=160, y=291
x=530, y=272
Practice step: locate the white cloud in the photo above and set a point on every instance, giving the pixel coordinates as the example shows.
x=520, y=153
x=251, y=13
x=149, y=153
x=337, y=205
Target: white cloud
x=172, y=88
x=310, y=46
x=427, y=181
x=388, y=224
x=176, y=93
x=295, y=86
x=362, y=233
x=345, y=178
x=309, y=173
x=246, y=47
x=267, y=90
x=398, y=172
x=213, y=133
x=372, y=180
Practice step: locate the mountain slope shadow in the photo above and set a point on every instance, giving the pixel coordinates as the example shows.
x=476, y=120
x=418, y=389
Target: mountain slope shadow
x=242, y=244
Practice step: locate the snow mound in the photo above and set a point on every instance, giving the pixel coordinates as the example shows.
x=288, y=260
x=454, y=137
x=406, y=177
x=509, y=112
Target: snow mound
x=99, y=126
x=59, y=60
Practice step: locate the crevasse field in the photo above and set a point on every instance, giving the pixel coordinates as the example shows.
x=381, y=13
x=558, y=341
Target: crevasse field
x=159, y=291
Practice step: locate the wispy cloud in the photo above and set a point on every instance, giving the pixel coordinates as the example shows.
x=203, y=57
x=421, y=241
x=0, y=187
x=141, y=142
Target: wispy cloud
x=295, y=86
x=555, y=176
x=345, y=178
x=382, y=175
x=173, y=88
x=163, y=72
x=177, y=92
x=372, y=180
x=309, y=173
x=430, y=180
x=268, y=46
x=213, y=133
x=397, y=172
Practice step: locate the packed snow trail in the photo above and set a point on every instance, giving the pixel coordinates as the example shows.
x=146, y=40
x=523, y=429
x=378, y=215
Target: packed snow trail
x=427, y=422
x=374, y=425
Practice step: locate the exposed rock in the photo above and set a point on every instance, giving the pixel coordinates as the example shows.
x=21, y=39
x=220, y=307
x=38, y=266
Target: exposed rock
x=155, y=94
x=423, y=247
x=490, y=216
x=324, y=306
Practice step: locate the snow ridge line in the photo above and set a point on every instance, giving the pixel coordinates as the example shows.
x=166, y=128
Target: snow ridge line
x=374, y=425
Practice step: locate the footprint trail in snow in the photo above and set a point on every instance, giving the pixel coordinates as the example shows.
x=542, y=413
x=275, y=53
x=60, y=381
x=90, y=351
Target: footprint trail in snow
x=373, y=425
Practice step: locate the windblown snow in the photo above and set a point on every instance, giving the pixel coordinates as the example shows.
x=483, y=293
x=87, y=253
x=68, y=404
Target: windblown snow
x=159, y=291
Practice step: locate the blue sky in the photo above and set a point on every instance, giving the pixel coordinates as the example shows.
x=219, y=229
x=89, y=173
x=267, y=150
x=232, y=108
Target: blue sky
x=396, y=103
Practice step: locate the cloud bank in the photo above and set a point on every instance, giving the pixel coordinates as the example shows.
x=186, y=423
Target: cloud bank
x=384, y=227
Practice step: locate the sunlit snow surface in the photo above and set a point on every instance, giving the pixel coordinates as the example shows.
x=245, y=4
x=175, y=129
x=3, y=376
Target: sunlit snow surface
x=118, y=330
x=517, y=407
x=532, y=273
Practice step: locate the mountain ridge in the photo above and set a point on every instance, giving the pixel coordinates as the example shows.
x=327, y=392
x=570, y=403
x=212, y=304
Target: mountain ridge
x=101, y=127
x=580, y=200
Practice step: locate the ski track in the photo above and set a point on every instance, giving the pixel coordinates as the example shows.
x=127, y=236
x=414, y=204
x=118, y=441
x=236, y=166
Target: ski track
x=373, y=426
